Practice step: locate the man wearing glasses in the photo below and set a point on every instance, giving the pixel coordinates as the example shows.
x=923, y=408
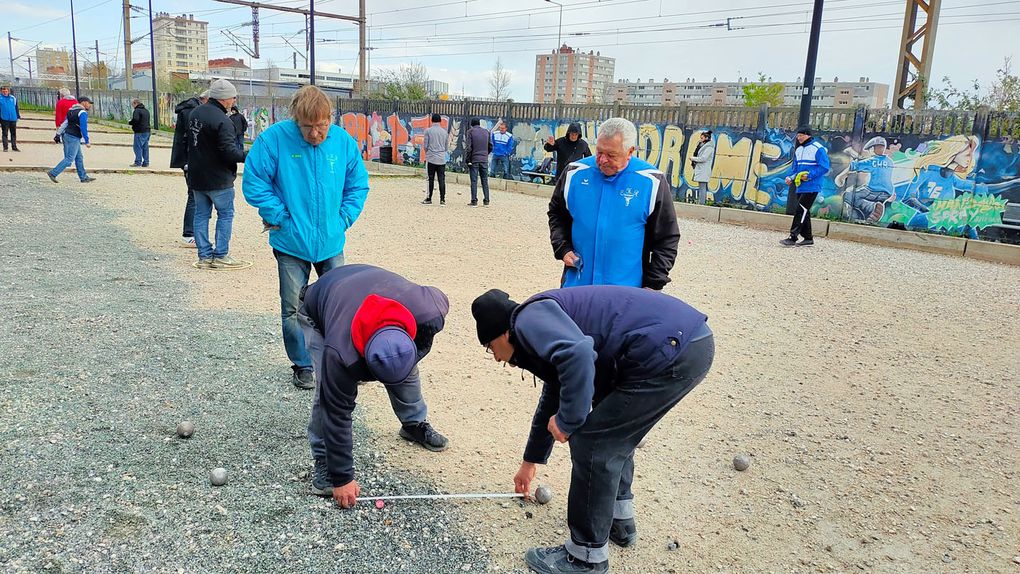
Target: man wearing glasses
x=306, y=178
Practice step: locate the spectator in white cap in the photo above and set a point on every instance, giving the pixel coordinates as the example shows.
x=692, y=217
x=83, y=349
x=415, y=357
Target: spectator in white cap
x=212, y=169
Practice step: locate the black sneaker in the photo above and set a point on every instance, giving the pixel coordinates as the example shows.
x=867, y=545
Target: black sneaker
x=15, y=149
x=321, y=485
x=442, y=202
x=303, y=379
x=624, y=532
x=806, y=243
x=486, y=203
x=557, y=560
x=427, y=202
x=423, y=434
x=88, y=179
x=473, y=204
x=52, y=177
x=788, y=242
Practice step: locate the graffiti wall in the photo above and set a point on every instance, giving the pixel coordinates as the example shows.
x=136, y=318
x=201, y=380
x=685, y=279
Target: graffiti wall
x=956, y=185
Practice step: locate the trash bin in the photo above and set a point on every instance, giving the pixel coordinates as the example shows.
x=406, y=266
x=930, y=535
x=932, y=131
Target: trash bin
x=386, y=154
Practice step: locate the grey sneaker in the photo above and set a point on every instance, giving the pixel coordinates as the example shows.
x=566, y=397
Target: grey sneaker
x=88, y=179
x=227, y=262
x=557, y=560
x=806, y=243
x=204, y=264
x=52, y=177
x=788, y=242
x=304, y=379
x=321, y=485
x=423, y=434
x=624, y=532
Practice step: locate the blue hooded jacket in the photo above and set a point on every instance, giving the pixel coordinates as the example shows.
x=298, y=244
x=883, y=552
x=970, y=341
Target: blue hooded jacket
x=313, y=193
x=9, y=111
x=813, y=158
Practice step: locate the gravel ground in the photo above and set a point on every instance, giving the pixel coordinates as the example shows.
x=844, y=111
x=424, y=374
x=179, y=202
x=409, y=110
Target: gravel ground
x=103, y=357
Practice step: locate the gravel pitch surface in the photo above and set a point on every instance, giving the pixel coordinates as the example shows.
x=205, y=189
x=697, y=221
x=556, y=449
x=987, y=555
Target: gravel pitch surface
x=103, y=357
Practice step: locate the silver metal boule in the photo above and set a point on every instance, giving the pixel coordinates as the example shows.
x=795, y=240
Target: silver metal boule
x=218, y=476
x=543, y=494
x=741, y=462
x=185, y=429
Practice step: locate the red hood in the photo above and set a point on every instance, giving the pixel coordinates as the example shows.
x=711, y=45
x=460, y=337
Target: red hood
x=375, y=313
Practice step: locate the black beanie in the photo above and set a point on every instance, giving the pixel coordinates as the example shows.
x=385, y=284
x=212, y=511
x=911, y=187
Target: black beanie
x=804, y=130
x=436, y=118
x=491, y=311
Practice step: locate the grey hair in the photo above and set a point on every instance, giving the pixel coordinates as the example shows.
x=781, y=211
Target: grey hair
x=619, y=126
x=64, y=92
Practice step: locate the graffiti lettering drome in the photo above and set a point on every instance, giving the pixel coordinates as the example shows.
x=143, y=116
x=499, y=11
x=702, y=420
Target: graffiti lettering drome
x=956, y=185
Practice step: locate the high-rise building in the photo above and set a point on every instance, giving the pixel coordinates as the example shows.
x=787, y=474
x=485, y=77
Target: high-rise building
x=573, y=77
x=182, y=44
x=53, y=62
x=834, y=94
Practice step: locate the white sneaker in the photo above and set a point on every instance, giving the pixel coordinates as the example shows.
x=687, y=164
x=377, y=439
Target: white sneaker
x=188, y=242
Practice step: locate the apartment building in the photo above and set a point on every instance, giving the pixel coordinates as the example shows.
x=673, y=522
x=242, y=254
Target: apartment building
x=55, y=62
x=182, y=44
x=573, y=77
x=834, y=94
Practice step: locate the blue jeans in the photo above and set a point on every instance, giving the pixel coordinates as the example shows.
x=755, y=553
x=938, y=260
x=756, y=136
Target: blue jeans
x=405, y=396
x=501, y=167
x=72, y=154
x=479, y=170
x=141, y=145
x=294, y=273
x=223, y=199
x=602, y=450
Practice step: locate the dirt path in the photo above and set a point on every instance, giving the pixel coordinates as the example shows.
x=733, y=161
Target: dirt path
x=875, y=389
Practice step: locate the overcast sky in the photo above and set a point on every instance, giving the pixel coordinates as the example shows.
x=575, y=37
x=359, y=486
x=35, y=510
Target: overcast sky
x=459, y=41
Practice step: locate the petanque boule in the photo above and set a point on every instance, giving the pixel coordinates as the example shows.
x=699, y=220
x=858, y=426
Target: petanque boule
x=185, y=429
x=741, y=462
x=218, y=476
x=543, y=494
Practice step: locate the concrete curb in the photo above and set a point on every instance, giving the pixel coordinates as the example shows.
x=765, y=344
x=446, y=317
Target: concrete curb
x=91, y=170
x=994, y=252
x=695, y=211
x=917, y=241
x=96, y=144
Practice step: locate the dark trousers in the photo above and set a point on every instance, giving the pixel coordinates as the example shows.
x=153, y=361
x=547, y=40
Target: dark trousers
x=189, y=212
x=602, y=450
x=12, y=127
x=802, y=217
x=479, y=170
x=437, y=170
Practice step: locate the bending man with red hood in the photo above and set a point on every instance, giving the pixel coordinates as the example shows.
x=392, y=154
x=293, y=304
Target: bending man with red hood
x=363, y=323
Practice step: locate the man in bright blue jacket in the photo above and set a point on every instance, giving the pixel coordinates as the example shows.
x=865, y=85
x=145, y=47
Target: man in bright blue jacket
x=810, y=164
x=10, y=113
x=611, y=216
x=306, y=178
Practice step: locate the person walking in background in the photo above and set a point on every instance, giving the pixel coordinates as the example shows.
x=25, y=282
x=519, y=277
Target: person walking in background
x=502, y=150
x=240, y=126
x=65, y=103
x=212, y=169
x=10, y=113
x=306, y=178
x=568, y=148
x=701, y=161
x=611, y=217
x=477, y=147
x=810, y=164
x=140, y=126
x=75, y=134
x=436, y=140
x=179, y=160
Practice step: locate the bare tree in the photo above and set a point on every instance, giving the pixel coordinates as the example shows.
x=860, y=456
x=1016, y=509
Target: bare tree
x=499, y=82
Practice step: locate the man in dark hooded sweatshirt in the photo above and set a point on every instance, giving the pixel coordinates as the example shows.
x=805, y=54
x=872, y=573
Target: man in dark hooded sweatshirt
x=364, y=323
x=477, y=147
x=614, y=360
x=568, y=148
x=179, y=160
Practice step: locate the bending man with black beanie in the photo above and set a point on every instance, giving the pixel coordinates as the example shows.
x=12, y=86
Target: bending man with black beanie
x=363, y=323
x=614, y=361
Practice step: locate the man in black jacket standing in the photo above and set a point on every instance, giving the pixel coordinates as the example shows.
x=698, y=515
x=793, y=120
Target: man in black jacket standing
x=212, y=168
x=477, y=147
x=568, y=148
x=179, y=159
x=140, y=126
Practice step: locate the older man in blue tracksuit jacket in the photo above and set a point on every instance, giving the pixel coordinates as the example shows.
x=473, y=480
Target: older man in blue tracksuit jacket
x=306, y=178
x=614, y=361
x=810, y=164
x=611, y=216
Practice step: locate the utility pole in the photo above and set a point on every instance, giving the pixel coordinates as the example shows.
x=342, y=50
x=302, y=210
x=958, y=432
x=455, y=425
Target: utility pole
x=362, y=88
x=311, y=41
x=128, y=70
x=30, y=82
x=809, y=68
x=95, y=68
x=10, y=52
x=74, y=49
x=152, y=54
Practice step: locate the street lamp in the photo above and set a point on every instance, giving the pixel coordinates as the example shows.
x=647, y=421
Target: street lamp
x=559, y=33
